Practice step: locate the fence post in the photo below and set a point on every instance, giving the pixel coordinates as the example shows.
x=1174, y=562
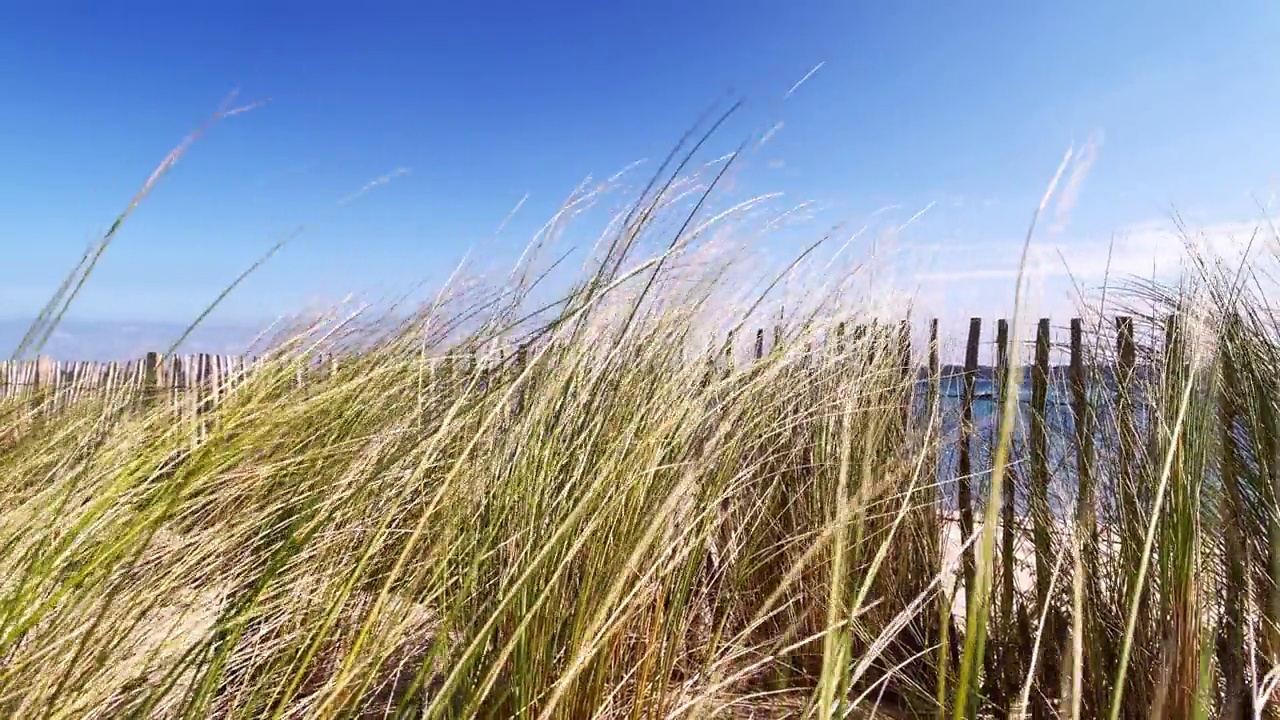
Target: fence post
x=201, y=386
x=907, y=376
x=1086, y=517
x=1010, y=673
x=1126, y=364
x=151, y=378
x=965, y=457
x=932, y=393
x=1039, y=495
x=1237, y=698
x=38, y=381
x=1082, y=417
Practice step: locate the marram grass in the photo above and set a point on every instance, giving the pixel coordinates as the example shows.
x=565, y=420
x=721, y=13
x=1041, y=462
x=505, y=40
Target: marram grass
x=616, y=520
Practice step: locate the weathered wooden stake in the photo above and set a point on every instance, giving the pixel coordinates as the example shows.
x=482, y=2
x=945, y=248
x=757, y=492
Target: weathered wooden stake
x=1040, y=520
x=965, y=456
x=1086, y=518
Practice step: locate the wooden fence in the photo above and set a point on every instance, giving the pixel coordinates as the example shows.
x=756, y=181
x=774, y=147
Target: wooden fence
x=205, y=378
x=182, y=379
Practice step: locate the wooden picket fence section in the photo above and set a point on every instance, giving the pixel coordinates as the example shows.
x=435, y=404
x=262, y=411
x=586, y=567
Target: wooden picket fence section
x=181, y=380
x=205, y=379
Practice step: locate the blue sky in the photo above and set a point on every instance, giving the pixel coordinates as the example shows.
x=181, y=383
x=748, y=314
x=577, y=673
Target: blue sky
x=964, y=110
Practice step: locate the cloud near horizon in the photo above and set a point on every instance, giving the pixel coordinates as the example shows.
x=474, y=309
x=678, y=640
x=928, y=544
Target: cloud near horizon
x=1149, y=250
x=979, y=280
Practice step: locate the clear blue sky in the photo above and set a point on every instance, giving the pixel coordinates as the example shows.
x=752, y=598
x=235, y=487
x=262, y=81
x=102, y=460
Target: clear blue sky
x=963, y=106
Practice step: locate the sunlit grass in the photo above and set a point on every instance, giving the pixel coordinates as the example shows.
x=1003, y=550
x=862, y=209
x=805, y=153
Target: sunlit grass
x=587, y=508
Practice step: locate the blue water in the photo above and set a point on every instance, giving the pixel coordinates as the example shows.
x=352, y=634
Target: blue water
x=1060, y=431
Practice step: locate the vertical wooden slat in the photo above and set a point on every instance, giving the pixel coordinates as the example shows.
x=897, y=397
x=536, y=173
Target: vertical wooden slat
x=77, y=377
x=933, y=415
x=204, y=393
x=86, y=379
x=191, y=387
x=934, y=390
x=1086, y=521
x=965, y=457
x=1082, y=418
x=179, y=389
x=215, y=363
x=74, y=369
x=759, y=350
x=907, y=376
x=57, y=384
x=202, y=382
x=1040, y=520
x=1237, y=696
x=69, y=378
x=66, y=376
x=228, y=376
x=37, y=383
x=1011, y=674
x=151, y=378
x=1131, y=520
x=52, y=383
x=220, y=372
x=109, y=379
x=173, y=373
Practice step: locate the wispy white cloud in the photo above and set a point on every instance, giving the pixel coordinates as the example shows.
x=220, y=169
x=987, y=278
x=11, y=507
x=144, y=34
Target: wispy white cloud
x=1153, y=249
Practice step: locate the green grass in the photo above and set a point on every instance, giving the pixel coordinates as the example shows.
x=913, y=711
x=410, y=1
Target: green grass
x=618, y=521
